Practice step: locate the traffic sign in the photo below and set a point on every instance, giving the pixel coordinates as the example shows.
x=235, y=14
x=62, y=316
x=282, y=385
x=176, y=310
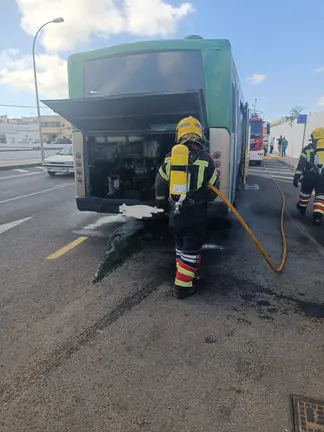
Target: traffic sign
x=302, y=119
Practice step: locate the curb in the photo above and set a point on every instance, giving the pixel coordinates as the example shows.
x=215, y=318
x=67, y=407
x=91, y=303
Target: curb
x=10, y=167
x=19, y=149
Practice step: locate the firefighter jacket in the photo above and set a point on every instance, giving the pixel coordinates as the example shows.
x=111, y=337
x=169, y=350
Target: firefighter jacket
x=202, y=174
x=306, y=160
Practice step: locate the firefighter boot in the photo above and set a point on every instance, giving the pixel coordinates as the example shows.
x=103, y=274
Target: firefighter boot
x=182, y=293
x=317, y=219
x=301, y=209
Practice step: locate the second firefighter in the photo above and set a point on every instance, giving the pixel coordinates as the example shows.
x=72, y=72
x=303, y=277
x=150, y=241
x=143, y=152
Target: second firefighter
x=311, y=174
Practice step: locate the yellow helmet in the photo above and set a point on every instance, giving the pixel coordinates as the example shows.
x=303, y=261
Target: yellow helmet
x=317, y=133
x=187, y=128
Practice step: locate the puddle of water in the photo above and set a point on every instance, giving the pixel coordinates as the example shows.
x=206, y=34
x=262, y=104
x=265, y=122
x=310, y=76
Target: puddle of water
x=211, y=246
x=123, y=242
x=105, y=221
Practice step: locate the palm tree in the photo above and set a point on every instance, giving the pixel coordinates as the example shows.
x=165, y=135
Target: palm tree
x=294, y=113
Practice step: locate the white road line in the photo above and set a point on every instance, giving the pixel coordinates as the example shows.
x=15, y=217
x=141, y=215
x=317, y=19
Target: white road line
x=273, y=172
x=40, y=168
x=20, y=175
x=21, y=170
x=283, y=177
x=36, y=193
x=275, y=177
x=7, y=226
x=276, y=166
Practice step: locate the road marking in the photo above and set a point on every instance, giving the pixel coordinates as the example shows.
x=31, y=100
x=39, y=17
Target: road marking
x=67, y=248
x=20, y=175
x=272, y=171
x=21, y=170
x=274, y=176
x=7, y=226
x=36, y=193
x=250, y=186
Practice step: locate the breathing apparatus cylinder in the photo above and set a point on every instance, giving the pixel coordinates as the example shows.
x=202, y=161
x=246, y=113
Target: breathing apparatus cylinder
x=320, y=152
x=179, y=175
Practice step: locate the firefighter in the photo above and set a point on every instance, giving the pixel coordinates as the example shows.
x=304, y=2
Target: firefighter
x=310, y=172
x=188, y=218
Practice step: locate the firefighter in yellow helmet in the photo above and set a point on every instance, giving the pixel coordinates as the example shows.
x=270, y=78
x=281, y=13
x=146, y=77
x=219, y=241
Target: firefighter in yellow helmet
x=310, y=171
x=188, y=218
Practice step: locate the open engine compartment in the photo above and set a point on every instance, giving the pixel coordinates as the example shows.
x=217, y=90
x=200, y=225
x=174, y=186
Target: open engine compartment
x=125, y=167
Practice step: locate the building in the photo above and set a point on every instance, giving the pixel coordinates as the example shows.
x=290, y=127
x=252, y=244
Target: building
x=295, y=132
x=24, y=131
x=55, y=127
x=19, y=131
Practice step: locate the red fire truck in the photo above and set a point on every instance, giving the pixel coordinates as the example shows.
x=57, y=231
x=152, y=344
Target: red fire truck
x=256, y=139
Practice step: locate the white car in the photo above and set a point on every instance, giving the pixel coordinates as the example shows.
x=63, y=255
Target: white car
x=61, y=162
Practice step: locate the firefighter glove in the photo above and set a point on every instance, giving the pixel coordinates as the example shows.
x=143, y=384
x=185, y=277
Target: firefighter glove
x=296, y=180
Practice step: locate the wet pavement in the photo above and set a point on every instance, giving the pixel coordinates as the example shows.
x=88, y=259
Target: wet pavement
x=122, y=354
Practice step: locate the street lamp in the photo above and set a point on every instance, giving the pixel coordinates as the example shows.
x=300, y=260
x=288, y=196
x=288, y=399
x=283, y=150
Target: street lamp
x=55, y=21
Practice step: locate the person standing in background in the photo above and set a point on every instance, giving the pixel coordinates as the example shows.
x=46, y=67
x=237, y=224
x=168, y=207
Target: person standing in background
x=272, y=145
x=279, y=144
x=284, y=145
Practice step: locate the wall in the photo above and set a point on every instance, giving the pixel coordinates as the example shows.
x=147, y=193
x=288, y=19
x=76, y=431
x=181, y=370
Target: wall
x=294, y=133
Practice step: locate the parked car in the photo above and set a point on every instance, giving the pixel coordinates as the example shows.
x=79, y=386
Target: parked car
x=61, y=162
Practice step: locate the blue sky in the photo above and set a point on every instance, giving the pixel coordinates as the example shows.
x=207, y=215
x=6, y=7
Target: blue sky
x=279, y=39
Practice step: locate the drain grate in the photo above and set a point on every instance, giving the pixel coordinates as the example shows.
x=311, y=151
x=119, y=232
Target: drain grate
x=308, y=415
x=251, y=186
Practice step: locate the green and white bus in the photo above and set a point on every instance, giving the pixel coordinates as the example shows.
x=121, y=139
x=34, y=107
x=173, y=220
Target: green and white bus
x=124, y=103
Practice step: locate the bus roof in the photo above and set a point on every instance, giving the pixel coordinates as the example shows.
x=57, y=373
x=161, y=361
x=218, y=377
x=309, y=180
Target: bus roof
x=219, y=71
x=158, y=45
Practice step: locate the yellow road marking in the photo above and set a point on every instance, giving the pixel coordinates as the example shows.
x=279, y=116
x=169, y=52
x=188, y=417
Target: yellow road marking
x=67, y=248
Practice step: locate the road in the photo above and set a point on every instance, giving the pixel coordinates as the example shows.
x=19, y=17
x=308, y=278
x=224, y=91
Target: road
x=27, y=154
x=123, y=355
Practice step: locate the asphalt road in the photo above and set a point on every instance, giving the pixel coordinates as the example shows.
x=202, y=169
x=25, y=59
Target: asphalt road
x=27, y=154
x=123, y=354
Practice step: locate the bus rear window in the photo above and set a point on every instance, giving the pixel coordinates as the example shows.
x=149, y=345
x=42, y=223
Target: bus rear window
x=145, y=73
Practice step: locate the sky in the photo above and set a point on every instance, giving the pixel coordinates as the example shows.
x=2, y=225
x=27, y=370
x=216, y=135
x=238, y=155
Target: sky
x=277, y=44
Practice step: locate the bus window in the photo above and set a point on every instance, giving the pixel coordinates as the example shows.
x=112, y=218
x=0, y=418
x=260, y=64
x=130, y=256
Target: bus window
x=153, y=72
x=233, y=129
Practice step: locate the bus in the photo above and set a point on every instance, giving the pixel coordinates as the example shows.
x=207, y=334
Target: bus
x=124, y=104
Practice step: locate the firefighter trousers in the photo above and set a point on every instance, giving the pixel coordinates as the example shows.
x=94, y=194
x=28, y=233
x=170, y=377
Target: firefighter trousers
x=310, y=182
x=188, y=243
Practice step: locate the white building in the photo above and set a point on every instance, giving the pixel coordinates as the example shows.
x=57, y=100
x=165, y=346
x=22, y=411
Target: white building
x=294, y=133
x=19, y=131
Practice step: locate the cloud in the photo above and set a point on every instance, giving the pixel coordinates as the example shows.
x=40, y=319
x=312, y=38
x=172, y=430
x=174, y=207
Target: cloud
x=84, y=19
x=257, y=78
x=102, y=18
x=319, y=69
x=320, y=101
x=17, y=72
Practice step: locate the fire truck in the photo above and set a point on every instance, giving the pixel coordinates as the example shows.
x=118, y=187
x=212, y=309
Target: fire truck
x=258, y=137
